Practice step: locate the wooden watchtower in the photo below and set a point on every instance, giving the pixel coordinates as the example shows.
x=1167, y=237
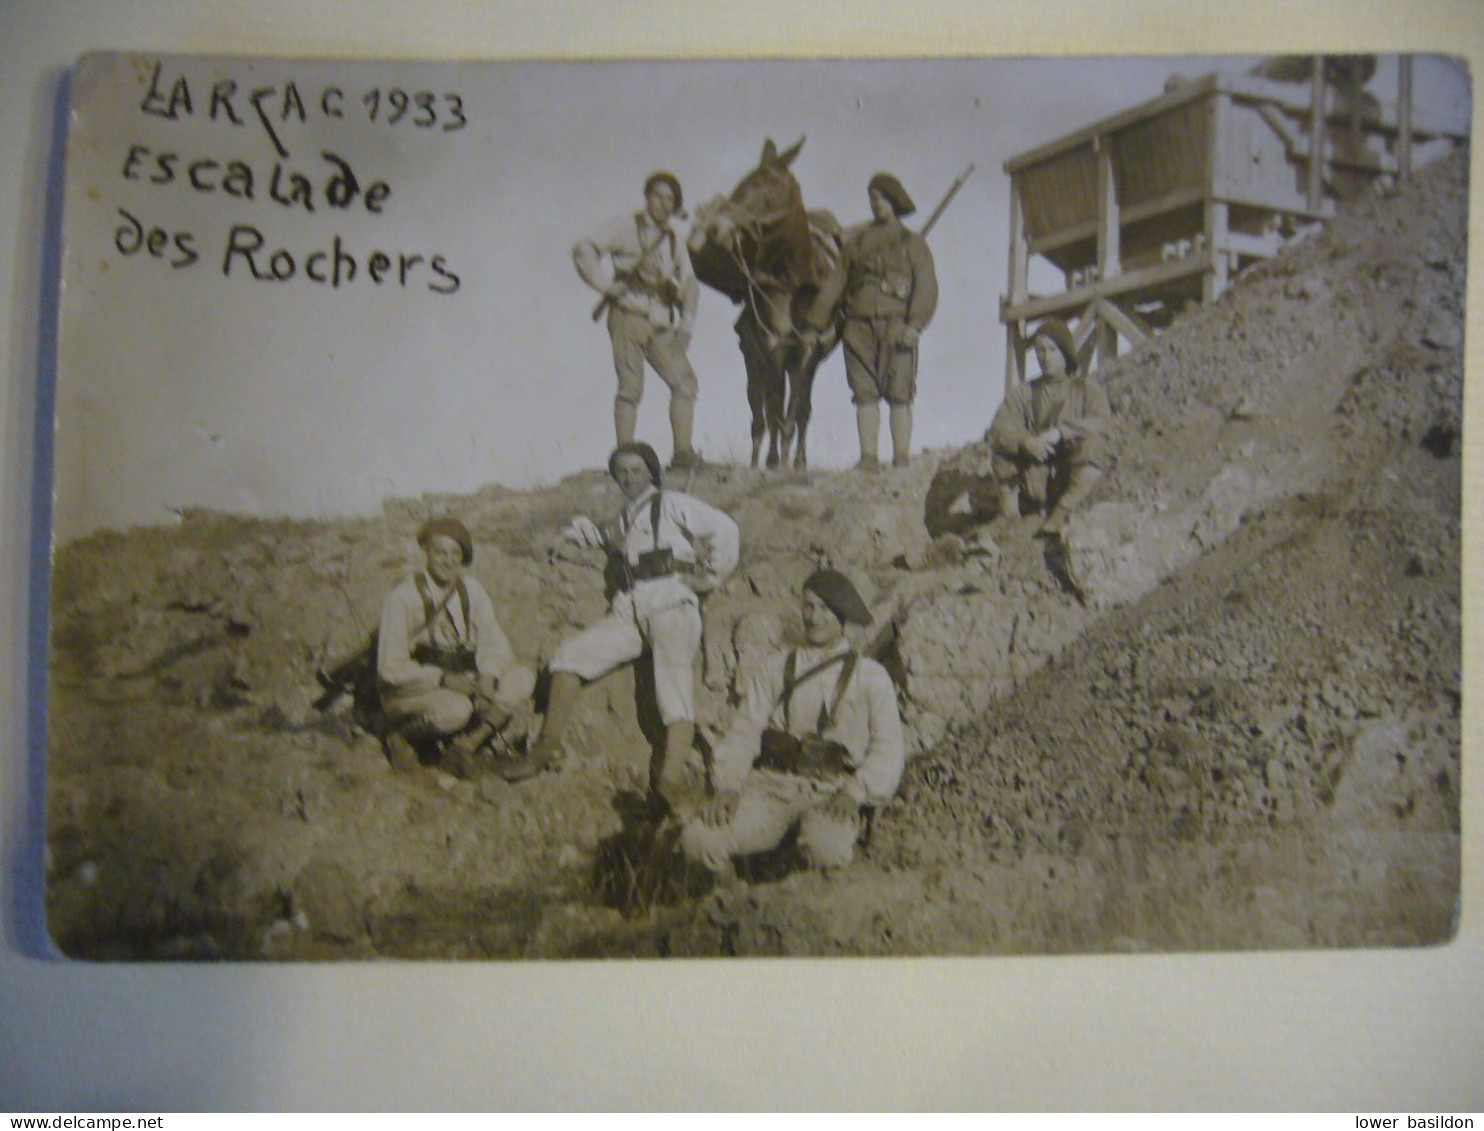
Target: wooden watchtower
x=1158, y=206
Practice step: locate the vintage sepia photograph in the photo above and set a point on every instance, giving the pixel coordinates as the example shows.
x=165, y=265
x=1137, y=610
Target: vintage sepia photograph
x=655, y=509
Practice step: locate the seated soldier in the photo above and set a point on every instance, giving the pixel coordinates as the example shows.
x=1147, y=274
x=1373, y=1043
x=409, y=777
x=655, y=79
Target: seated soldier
x=817, y=738
x=1049, y=438
x=448, y=679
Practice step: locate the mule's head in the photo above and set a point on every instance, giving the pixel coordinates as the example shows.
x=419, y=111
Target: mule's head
x=764, y=211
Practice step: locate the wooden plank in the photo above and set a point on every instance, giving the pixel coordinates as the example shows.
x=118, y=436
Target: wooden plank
x=1179, y=198
x=1019, y=252
x=1043, y=305
x=1384, y=119
x=1108, y=221
x=1196, y=88
x=1014, y=354
x=1087, y=322
x=1215, y=279
x=1254, y=247
x=1404, y=119
x=1125, y=322
x=1314, y=184
x=1249, y=87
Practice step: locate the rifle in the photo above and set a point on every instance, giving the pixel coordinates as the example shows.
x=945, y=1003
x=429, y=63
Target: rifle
x=645, y=252
x=947, y=199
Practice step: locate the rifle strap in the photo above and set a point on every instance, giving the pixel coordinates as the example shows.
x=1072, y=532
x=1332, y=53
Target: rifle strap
x=791, y=680
x=431, y=611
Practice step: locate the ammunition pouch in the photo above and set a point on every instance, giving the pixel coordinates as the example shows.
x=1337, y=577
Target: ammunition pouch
x=652, y=564
x=455, y=658
x=809, y=756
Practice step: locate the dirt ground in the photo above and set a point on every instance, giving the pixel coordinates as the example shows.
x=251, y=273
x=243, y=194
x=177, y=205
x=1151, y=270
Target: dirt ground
x=1224, y=714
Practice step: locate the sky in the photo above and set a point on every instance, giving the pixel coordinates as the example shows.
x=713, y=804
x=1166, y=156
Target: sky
x=185, y=382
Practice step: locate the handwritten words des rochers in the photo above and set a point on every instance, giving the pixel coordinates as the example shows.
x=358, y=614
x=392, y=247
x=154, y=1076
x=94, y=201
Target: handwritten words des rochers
x=254, y=183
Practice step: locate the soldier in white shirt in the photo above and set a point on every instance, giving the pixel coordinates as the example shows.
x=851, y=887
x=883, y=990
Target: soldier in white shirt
x=817, y=738
x=447, y=676
x=651, y=293
x=665, y=549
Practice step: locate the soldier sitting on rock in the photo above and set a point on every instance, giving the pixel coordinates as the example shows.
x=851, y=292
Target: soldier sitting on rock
x=448, y=680
x=817, y=738
x=1049, y=439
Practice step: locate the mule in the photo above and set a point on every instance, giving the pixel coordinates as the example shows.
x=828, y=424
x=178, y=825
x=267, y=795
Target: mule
x=766, y=253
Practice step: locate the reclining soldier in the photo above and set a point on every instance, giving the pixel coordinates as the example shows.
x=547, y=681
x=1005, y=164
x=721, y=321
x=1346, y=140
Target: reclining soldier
x=817, y=739
x=449, y=682
x=1049, y=439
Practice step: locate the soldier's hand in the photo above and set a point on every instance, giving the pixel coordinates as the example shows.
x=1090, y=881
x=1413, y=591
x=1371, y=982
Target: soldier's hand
x=584, y=531
x=615, y=290
x=908, y=338
x=1038, y=448
x=486, y=686
x=842, y=808
x=720, y=811
x=462, y=682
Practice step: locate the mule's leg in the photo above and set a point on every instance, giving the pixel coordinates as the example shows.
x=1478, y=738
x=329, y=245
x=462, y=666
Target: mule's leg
x=756, y=383
x=801, y=402
x=775, y=388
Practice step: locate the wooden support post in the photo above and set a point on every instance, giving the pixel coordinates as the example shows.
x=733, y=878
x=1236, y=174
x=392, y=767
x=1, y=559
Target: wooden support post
x=1404, y=119
x=1014, y=354
x=1316, y=135
x=1216, y=212
x=1019, y=288
x=1109, y=222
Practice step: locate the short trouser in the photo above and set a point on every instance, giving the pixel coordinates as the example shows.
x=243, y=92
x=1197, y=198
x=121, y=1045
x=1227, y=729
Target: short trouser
x=439, y=711
x=876, y=367
x=673, y=637
x=769, y=806
x=636, y=340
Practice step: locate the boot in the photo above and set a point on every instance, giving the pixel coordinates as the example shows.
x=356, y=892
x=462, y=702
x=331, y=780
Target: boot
x=901, y=435
x=625, y=420
x=868, y=428
x=1084, y=479
x=1010, y=501
x=461, y=756
x=682, y=421
x=543, y=755
x=401, y=753
x=680, y=736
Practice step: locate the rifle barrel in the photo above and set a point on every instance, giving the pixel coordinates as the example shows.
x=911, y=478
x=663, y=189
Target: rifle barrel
x=947, y=199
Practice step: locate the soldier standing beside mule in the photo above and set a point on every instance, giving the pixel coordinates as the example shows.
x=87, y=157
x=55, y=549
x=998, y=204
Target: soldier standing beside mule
x=889, y=289
x=650, y=293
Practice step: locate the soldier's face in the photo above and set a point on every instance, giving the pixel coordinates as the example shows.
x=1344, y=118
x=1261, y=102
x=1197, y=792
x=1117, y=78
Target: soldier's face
x=445, y=558
x=631, y=474
x=881, y=208
x=1053, y=364
x=821, y=626
x=659, y=201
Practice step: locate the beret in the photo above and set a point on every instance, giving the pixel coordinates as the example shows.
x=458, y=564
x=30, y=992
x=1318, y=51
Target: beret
x=835, y=590
x=891, y=188
x=447, y=527
x=644, y=452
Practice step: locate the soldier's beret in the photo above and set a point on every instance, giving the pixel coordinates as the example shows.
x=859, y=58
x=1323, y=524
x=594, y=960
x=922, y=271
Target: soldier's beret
x=835, y=590
x=664, y=178
x=447, y=527
x=1061, y=337
x=644, y=452
x=891, y=188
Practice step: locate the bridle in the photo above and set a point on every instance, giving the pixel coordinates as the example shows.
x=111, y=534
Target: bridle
x=759, y=227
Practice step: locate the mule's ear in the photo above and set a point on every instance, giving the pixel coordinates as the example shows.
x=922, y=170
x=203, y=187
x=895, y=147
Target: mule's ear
x=770, y=153
x=786, y=157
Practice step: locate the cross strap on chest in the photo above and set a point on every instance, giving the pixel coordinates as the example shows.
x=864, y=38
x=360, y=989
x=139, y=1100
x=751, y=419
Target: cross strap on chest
x=792, y=679
x=431, y=610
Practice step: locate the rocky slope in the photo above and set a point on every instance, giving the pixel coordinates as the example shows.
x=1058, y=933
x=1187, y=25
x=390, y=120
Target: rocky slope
x=1225, y=714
